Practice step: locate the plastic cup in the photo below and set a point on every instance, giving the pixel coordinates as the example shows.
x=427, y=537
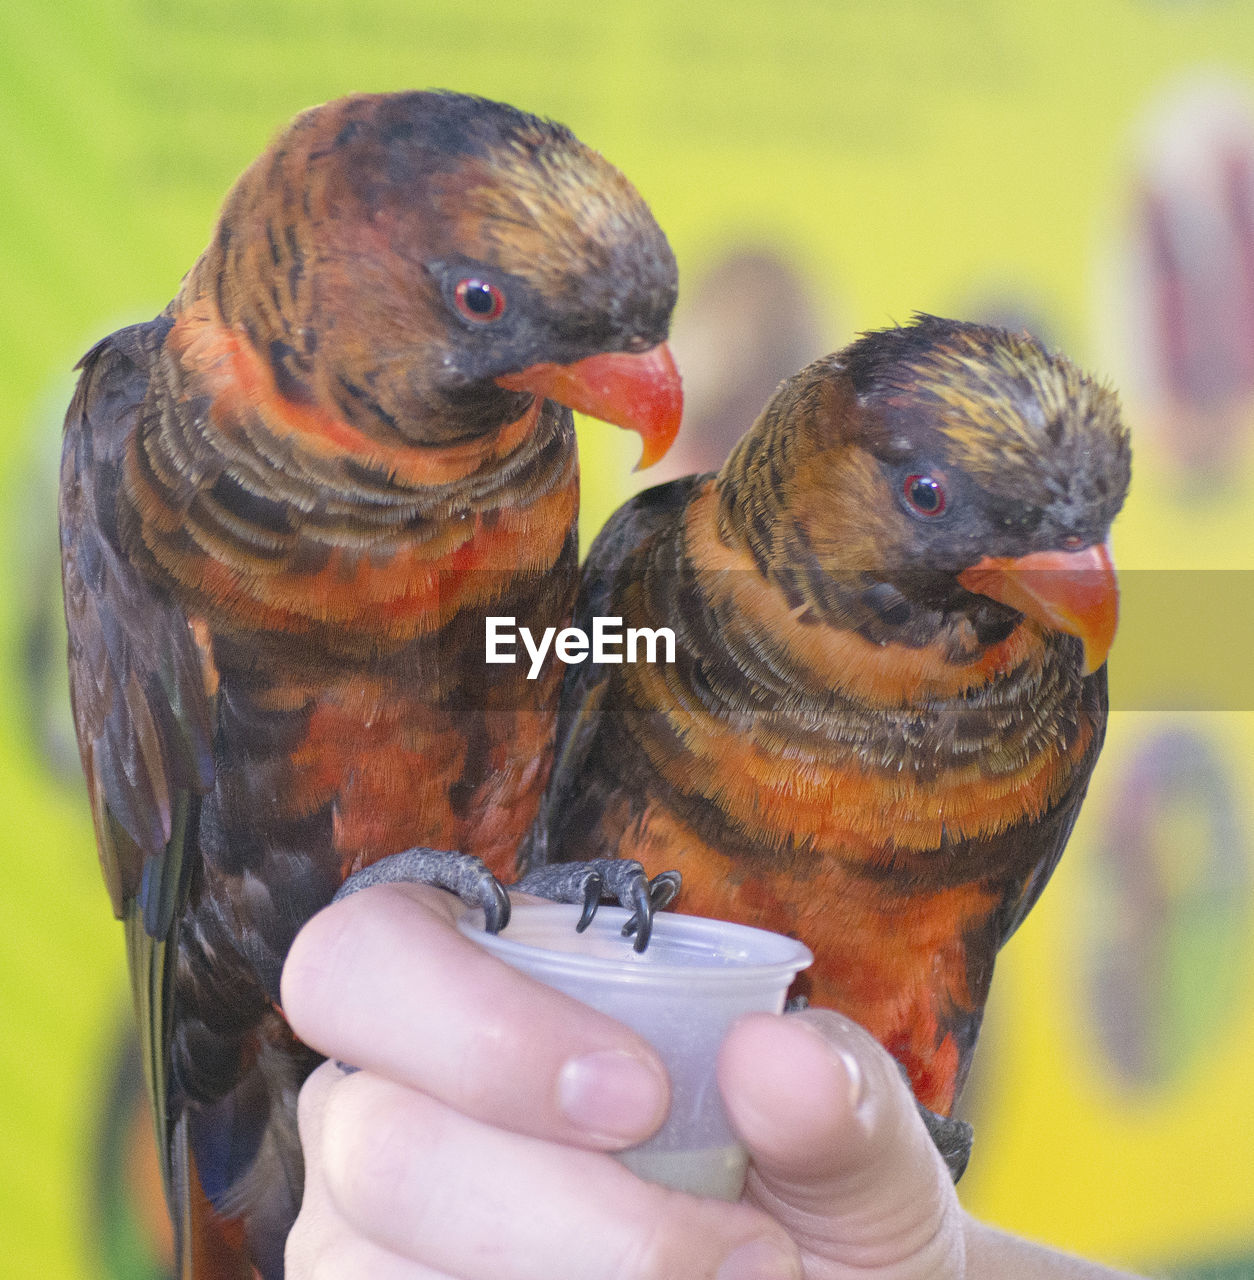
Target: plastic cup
x=682, y=995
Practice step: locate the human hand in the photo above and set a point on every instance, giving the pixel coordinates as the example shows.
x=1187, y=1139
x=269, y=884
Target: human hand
x=472, y=1142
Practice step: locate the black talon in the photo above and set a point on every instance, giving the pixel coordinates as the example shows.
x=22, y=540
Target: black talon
x=589, y=883
x=664, y=889
x=592, y=888
x=648, y=900
x=641, y=906
x=495, y=906
x=641, y=922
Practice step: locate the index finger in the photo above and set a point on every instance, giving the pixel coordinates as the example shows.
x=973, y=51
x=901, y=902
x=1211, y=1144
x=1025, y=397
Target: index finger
x=384, y=980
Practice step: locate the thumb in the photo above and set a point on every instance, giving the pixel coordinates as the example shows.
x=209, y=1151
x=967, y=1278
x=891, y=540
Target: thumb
x=839, y=1155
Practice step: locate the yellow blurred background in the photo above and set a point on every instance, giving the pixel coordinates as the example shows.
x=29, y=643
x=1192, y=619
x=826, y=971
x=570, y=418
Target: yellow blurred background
x=1084, y=168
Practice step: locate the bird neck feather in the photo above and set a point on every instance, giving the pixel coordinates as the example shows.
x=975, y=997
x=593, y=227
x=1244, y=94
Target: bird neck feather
x=276, y=517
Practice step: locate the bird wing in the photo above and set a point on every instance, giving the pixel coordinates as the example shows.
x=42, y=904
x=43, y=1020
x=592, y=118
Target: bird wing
x=585, y=683
x=140, y=689
x=1051, y=833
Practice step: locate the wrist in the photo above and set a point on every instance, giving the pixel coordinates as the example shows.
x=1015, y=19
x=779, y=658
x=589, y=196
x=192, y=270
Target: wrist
x=991, y=1254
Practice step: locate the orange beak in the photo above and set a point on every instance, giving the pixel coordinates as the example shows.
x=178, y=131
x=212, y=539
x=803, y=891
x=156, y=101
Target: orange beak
x=638, y=391
x=1072, y=591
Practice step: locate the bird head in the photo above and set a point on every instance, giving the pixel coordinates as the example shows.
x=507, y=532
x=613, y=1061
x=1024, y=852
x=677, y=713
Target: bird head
x=952, y=473
x=427, y=263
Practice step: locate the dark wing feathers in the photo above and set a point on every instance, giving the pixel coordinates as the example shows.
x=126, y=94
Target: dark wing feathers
x=137, y=684
x=585, y=683
x=624, y=533
x=1051, y=834
x=136, y=673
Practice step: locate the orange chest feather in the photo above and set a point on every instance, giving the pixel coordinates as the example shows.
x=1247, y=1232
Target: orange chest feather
x=895, y=962
x=844, y=802
x=399, y=594
x=390, y=571
x=401, y=771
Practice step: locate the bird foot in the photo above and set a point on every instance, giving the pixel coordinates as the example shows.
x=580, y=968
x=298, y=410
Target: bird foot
x=612, y=879
x=460, y=873
x=952, y=1138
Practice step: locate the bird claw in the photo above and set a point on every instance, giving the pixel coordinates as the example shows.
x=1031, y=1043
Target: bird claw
x=459, y=873
x=952, y=1139
x=593, y=888
x=641, y=921
x=647, y=898
x=588, y=883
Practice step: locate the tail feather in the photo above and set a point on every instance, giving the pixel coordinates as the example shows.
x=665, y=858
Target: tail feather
x=236, y=1165
x=210, y=1246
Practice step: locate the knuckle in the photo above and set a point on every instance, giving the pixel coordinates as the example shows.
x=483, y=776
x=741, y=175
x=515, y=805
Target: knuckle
x=381, y=1146
x=477, y=1072
x=368, y=1143
x=660, y=1247
x=320, y=969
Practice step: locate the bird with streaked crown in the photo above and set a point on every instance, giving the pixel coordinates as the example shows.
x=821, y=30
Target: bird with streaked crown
x=288, y=503
x=892, y=610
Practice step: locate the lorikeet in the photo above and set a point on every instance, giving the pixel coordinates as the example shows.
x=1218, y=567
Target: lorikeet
x=288, y=503
x=892, y=608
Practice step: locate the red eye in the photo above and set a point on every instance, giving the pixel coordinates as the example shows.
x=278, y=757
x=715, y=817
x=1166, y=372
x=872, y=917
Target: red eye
x=925, y=494
x=478, y=300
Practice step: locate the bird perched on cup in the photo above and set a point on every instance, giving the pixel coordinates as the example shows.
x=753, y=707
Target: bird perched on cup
x=288, y=503
x=892, y=609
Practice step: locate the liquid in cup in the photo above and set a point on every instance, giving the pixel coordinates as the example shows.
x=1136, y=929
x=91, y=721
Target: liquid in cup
x=682, y=995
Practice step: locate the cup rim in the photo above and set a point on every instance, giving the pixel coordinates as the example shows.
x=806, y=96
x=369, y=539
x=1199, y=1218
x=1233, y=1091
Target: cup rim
x=784, y=956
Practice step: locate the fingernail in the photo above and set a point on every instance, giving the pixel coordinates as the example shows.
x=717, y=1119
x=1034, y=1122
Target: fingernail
x=760, y=1260
x=612, y=1095
x=856, y=1081
x=854, y=1074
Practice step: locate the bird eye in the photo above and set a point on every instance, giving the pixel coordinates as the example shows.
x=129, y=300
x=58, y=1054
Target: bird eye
x=925, y=494
x=479, y=301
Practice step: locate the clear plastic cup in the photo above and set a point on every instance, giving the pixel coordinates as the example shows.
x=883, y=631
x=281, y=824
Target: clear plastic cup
x=682, y=995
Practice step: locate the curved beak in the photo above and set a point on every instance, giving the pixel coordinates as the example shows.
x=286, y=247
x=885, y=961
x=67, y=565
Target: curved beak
x=1072, y=591
x=639, y=391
